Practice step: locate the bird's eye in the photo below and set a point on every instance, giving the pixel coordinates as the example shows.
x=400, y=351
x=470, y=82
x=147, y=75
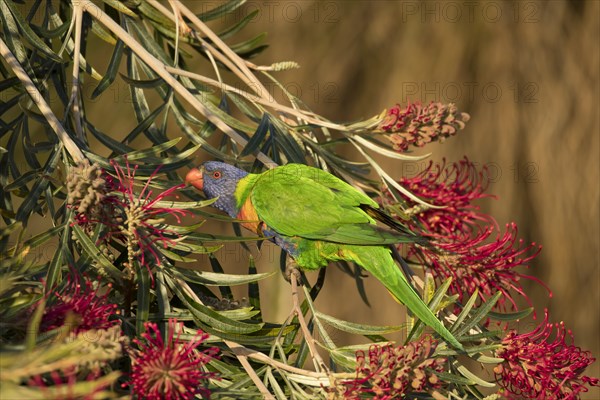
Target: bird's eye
x=216, y=174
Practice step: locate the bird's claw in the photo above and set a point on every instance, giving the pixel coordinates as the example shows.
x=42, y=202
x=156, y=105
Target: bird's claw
x=291, y=269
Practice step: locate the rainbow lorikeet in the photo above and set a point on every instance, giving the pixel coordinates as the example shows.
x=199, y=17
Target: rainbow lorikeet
x=316, y=218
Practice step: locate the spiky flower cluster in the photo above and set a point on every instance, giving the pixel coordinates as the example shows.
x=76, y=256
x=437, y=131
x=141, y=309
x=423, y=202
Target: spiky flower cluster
x=81, y=305
x=484, y=262
x=537, y=366
x=467, y=245
x=142, y=225
x=135, y=219
x=170, y=369
x=456, y=187
x=418, y=125
x=388, y=372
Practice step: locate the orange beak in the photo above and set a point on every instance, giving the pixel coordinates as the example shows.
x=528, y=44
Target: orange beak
x=194, y=178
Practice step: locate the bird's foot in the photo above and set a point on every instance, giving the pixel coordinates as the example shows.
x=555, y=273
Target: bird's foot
x=291, y=270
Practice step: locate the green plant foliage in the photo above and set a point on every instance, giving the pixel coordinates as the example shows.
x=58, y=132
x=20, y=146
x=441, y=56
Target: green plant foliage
x=128, y=239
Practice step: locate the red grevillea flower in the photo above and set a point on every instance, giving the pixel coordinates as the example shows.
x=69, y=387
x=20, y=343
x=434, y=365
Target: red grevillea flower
x=82, y=302
x=171, y=369
x=483, y=262
x=389, y=372
x=537, y=366
x=455, y=187
x=143, y=223
x=467, y=245
x=418, y=125
x=136, y=219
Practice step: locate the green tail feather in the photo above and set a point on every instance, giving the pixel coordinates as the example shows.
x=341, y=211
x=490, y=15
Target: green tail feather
x=379, y=262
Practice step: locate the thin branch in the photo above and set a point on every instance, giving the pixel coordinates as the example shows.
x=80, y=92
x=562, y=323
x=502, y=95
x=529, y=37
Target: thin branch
x=307, y=116
x=210, y=51
x=244, y=361
x=251, y=79
x=41, y=103
x=310, y=341
x=75, y=100
x=258, y=356
x=159, y=68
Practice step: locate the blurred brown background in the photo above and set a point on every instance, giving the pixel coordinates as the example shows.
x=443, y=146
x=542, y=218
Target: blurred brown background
x=526, y=71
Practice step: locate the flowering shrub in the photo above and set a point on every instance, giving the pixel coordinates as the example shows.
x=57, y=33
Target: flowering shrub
x=159, y=319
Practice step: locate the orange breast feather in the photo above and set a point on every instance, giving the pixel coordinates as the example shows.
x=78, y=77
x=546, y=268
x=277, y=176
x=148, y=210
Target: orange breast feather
x=248, y=214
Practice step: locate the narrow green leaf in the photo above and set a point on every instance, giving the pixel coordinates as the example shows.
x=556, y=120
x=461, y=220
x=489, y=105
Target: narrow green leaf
x=43, y=237
x=152, y=154
x=417, y=330
x=215, y=279
x=465, y=311
x=147, y=40
x=225, y=290
x=174, y=256
x=92, y=250
x=213, y=318
x=221, y=10
x=250, y=46
x=456, y=379
x=146, y=124
x=29, y=34
x=185, y=205
x=196, y=249
x=181, y=157
x=369, y=143
x=120, y=7
x=152, y=13
x=257, y=138
x=143, y=297
x=11, y=35
x=232, y=30
x=31, y=201
x=102, y=33
x=480, y=314
x=358, y=329
x=240, y=314
x=111, y=71
x=53, y=274
x=143, y=84
x=510, y=316
x=113, y=144
x=287, y=144
x=471, y=376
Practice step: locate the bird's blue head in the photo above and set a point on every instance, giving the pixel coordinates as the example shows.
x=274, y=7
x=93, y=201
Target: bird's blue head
x=217, y=179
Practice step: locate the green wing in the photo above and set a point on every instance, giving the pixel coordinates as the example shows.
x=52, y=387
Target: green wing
x=297, y=200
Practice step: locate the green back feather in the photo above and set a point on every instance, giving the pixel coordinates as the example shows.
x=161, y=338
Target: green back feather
x=297, y=200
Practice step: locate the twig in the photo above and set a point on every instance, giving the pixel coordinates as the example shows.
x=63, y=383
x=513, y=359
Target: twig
x=239, y=349
x=41, y=103
x=309, y=117
x=159, y=68
x=210, y=51
x=250, y=79
x=244, y=361
x=75, y=100
x=310, y=341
